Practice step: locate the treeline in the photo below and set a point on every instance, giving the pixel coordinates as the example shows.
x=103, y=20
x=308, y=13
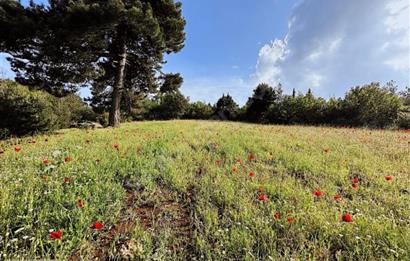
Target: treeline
x=370, y=105
x=27, y=111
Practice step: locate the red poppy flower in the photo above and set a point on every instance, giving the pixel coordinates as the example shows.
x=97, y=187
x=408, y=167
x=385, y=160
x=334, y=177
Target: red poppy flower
x=337, y=197
x=66, y=180
x=238, y=161
x=116, y=146
x=251, y=174
x=235, y=169
x=251, y=157
x=388, y=178
x=263, y=198
x=355, y=186
x=317, y=193
x=17, y=149
x=218, y=162
x=355, y=180
x=277, y=216
x=68, y=159
x=56, y=235
x=347, y=218
x=45, y=161
x=80, y=203
x=98, y=225
x=290, y=219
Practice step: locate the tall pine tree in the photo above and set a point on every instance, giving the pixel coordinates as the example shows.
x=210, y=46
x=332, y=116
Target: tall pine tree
x=116, y=46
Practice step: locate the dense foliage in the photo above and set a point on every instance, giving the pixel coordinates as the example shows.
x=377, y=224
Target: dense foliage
x=25, y=111
x=370, y=105
x=115, y=46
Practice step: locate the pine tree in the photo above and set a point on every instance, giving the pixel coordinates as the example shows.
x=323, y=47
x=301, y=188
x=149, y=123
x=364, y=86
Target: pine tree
x=112, y=45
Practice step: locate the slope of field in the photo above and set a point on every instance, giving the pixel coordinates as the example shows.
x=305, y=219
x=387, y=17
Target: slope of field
x=206, y=190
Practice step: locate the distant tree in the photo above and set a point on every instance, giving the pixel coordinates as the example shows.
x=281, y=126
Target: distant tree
x=372, y=105
x=311, y=110
x=403, y=120
x=71, y=110
x=226, y=108
x=171, y=106
x=334, y=113
x=301, y=109
x=199, y=110
x=405, y=96
x=257, y=105
x=170, y=83
x=113, y=46
x=278, y=92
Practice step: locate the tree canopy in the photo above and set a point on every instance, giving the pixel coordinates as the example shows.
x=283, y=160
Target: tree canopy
x=110, y=45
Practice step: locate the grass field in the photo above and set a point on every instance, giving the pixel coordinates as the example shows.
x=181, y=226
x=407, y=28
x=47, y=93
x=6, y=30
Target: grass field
x=206, y=190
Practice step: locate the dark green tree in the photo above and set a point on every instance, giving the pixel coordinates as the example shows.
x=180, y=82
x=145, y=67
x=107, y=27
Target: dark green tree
x=199, y=110
x=226, y=108
x=111, y=45
x=257, y=105
x=372, y=105
x=171, y=106
x=170, y=83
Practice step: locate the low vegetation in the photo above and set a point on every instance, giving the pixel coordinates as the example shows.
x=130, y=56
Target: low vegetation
x=206, y=190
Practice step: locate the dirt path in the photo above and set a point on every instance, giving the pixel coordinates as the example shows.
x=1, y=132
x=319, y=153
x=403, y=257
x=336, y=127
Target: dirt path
x=169, y=211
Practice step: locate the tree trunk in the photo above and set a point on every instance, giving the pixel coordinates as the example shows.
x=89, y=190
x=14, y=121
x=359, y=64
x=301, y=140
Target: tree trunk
x=115, y=116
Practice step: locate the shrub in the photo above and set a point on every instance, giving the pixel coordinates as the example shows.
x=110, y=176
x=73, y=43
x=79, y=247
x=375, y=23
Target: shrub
x=23, y=111
x=372, y=105
x=403, y=120
x=103, y=119
x=199, y=110
x=71, y=110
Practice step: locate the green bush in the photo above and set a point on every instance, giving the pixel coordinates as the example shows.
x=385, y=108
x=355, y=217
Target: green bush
x=199, y=110
x=71, y=110
x=372, y=105
x=403, y=120
x=171, y=106
x=103, y=119
x=23, y=111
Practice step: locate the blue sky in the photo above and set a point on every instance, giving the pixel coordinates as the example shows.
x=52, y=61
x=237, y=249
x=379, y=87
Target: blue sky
x=326, y=45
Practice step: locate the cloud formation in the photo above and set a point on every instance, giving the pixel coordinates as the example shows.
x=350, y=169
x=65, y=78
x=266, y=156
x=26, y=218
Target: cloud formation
x=333, y=45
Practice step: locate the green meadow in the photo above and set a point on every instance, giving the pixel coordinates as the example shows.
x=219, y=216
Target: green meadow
x=203, y=190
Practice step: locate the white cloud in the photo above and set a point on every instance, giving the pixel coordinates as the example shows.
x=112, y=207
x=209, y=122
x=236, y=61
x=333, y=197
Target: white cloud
x=269, y=55
x=333, y=45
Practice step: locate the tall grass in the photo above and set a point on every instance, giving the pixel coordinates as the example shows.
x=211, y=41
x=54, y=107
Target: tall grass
x=205, y=167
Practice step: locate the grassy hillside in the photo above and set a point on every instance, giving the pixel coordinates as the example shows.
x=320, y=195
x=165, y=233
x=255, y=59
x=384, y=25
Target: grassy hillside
x=206, y=190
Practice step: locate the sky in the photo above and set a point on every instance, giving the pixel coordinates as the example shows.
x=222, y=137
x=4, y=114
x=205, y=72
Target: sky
x=326, y=45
